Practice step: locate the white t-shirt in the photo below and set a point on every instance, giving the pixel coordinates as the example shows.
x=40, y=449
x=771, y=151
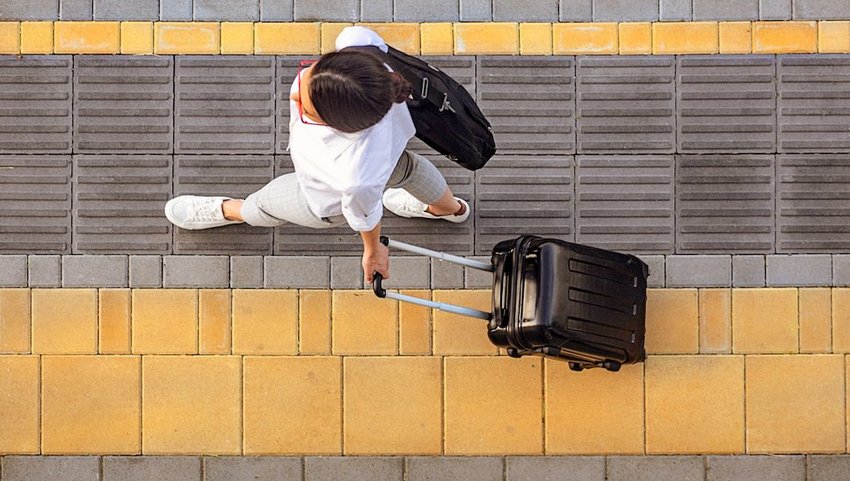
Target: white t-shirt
x=342, y=173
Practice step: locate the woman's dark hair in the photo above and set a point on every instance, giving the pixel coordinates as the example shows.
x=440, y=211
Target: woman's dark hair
x=352, y=91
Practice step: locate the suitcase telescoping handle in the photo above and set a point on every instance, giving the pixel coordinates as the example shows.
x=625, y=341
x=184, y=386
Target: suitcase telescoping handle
x=464, y=311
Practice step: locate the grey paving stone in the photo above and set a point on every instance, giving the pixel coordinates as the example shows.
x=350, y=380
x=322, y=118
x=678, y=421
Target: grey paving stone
x=451, y=468
x=841, y=270
x=250, y=468
x=75, y=10
x=36, y=111
x=409, y=272
x=95, y=271
x=828, y=468
x=227, y=10
x=246, y=272
x=13, y=271
x=756, y=468
x=626, y=104
x=286, y=70
x=656, y=468
x=376, y=10
x=196, y=271
x=372, y=468
x=29, y=10
x=775, y=9
x=327, y=10
x=699, y=271
x=477, y=279
x=475, y=10
x=525, y=10
x=431, y=11
x=749, y=271
x=726, y=103
x=726, y=10
x=625, y=203
x=549, y=468
x=51, y=468
x=135, y=10
x=346, y=273
x=799, y=270
x=145, y=271
x=175, y=10
x=276, y=10
x=576, y=10
x=821, y=10
x=297, y=272
x=625, y=10
x=445, y=275
x=657, y=276
x=144, y=468
x=675, y=10
x=45, y=271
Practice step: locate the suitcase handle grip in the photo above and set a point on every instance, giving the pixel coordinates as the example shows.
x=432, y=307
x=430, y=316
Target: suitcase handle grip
x=464, y=311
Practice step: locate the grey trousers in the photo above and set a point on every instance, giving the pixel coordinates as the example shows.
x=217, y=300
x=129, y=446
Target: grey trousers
x=281, y=200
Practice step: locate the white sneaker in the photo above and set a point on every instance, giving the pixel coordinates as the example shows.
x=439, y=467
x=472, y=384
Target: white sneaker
x=402, y=204
x=194, y=212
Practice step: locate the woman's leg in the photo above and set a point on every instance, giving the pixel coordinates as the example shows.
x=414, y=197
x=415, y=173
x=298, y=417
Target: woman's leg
x=420, y=179
x=278, y=202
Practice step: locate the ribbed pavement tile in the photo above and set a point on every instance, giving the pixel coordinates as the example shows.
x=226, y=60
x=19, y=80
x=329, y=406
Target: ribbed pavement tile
x=286, y=68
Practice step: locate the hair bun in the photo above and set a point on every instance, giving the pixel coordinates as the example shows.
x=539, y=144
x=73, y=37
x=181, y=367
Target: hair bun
x=401, y=88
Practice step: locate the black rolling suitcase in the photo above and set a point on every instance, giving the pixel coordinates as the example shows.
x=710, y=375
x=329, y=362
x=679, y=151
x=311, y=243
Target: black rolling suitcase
x=576, y=303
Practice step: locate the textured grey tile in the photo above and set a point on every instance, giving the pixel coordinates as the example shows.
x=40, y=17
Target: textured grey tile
x=775, y=9
x=51, y=468
x=75, y=10
x=224, y=104
x=799, y=270
x=29, y=10
x=475, y=10
x=276, y=10
x=530, y=102
x=841, y=270
x=625, y=10
x=196, y=271
x=656, y=468
x=175, y=9
x=118, y=204
x=699, y=271
x=828, y=468
x=476, y=468
x=811, y=200
x=45, y=271
x=821, y=10
x=234, y=176
x=523, y=195
x=347, y=273
x=327, y=10
x=227, y=10
x=430, y=11
x=95, y=271
x=525, y=10
x=135, y=10
x=725, y=203
x=726, y=10
x=13, y=271
x=675, y=10
x=756, y=468
x=576, y=10
x=159, y=468
x=376, y=10
x=35, y=198
x=657, y=270
x=287, y=68
x=626, y=104
x=251, y=468
x=445, y=275
x=409, y=272
x=813, y=102
x=749, y=271
x=625, y=203
x=726, y=103
x=297, y=272
x=353, y=468
x=562, y=468
x=35, y=103
x=145, y=271
x=246, y=272
x=478, y=279
x=123, y=104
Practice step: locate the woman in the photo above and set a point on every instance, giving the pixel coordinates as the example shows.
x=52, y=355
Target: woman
x=349, y=126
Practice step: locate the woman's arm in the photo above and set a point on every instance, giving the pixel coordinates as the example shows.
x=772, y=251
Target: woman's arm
x=376, y=256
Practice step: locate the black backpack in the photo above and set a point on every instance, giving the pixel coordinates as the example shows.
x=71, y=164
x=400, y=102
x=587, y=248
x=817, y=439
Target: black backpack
x=445, y=115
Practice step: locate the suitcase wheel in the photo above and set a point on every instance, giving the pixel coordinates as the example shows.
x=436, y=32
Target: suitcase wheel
x=612, y=366
x=512, y=352
x=574, y=366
